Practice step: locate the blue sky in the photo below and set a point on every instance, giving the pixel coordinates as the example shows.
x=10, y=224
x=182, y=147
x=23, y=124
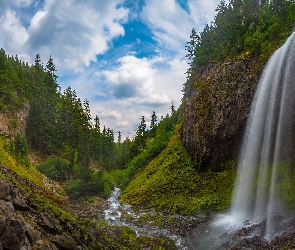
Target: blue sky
x=127, y=57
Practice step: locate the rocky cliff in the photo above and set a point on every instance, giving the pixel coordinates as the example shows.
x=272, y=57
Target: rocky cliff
x=216, y=105
x=15, y=121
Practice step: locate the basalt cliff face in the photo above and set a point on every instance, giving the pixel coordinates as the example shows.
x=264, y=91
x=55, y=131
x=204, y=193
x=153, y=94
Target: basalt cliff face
x=216, y=105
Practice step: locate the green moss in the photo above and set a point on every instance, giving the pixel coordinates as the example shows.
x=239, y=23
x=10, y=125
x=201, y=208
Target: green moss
x=171, y=184
x=45, y=203
x=123, y=238
x=285, y=182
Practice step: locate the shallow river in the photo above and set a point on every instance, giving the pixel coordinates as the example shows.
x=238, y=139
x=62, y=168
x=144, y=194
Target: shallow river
x=120, y=214
x=191, y=233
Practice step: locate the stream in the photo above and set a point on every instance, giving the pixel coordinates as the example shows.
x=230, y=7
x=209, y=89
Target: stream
x=216, y=232
x=151, y=223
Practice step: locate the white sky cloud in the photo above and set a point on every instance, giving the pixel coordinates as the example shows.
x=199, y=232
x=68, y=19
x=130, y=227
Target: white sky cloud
x=13, y=35
x=76, y=31
x=168, y=21
x=172, y=25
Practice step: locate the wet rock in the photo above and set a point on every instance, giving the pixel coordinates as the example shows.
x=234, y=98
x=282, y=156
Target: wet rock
x=215, y=109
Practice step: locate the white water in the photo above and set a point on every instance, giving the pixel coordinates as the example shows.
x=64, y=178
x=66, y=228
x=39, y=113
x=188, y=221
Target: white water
x=264, y=171
x=268, y=145
x=114, y=217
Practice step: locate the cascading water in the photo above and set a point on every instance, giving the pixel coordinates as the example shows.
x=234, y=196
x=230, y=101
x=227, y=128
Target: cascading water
x=268, y=151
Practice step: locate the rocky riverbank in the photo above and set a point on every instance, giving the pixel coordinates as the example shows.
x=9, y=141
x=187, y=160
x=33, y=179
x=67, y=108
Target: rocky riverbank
x=31, y=217
x=219, y=236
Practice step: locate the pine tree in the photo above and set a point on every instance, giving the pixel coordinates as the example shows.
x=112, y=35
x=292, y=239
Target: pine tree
x=119, y=137
x=172, y=107
x=140, y=139
x=154, y=120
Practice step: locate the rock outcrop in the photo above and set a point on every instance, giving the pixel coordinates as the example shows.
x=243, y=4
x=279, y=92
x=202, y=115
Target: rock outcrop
x=216, y=105
x=18, y=229
x=15, y=121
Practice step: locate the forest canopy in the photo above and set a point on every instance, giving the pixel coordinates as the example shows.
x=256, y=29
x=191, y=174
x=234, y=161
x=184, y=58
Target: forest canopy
x=241, y=26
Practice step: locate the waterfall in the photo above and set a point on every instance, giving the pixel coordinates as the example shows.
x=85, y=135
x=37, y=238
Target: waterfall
x=266, y=159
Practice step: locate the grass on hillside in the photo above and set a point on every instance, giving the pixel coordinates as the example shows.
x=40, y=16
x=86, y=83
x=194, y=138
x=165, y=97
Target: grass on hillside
x=9, y=161
x=171, y=184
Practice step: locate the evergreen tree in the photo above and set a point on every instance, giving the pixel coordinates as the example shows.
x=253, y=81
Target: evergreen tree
x=140, y=138
x=119, y=137
x=172, y=107
x=154, y=120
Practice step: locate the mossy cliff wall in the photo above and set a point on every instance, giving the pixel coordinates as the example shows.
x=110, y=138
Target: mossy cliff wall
x=216, y=105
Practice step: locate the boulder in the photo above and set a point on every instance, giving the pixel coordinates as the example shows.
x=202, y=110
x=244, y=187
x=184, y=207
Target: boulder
x=6, y=208
x=32, y=235
x=64, y=242
x=4, y=190
x=13, y=236
x=20, y=203
x=48, y=223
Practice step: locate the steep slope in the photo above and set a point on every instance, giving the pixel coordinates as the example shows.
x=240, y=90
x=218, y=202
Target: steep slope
x=170, y=183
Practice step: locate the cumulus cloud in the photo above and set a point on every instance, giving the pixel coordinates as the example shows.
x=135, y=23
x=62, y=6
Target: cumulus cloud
x=138, y=86
x=171, y=24
x=76, y=31
x=132, y=77
x=73, y=32
x=13, y=35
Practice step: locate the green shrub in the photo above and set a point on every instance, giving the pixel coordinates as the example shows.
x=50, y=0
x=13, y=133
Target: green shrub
x=97, y=183
x=55, y=169
x=74, y=189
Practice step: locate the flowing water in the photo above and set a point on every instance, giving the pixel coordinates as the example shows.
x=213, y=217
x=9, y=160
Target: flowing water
x=119, y=214
x=265, y=183
x=265, y=164
x=266, y=169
